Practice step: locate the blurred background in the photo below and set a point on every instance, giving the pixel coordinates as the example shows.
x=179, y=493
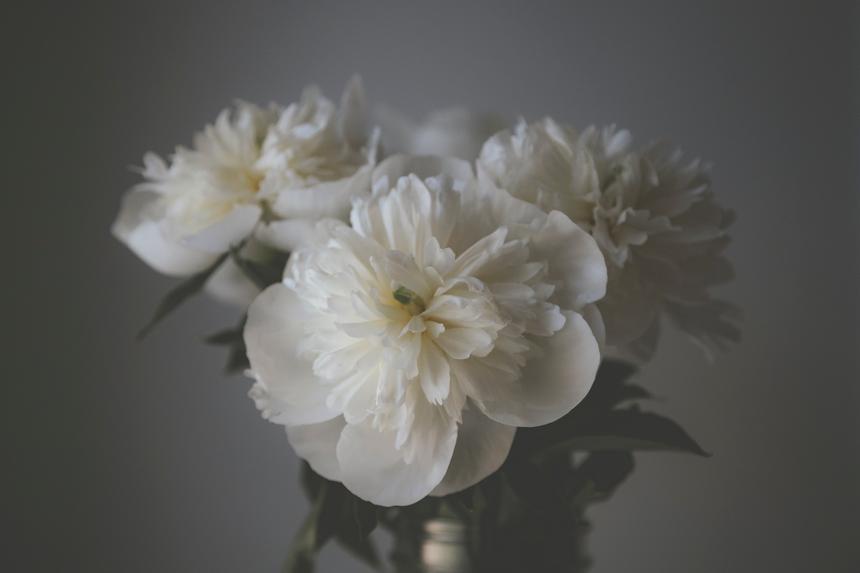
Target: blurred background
x=131, y=456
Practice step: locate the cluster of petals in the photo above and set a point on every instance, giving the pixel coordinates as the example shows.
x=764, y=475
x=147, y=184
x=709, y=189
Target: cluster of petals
x=652, y=212
x=256, y=177
x=434, y=302
x=402, y=350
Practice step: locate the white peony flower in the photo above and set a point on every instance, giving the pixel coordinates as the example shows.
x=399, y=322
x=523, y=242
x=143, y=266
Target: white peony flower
x=652, y=213
x=255, y=172
x=452, y=132
x=403, y=351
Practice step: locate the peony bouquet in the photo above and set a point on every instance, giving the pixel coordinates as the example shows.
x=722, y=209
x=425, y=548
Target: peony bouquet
x=443, y=315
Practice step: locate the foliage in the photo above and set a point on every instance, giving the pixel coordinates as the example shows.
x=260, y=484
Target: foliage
x=261, y=274
x=531, y=513
x=179, y=294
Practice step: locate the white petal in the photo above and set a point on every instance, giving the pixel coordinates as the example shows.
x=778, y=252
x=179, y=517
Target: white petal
x=591, y=314
x=286, y=391
x=574, y=259
x=434, y=373
x=287, y=235
x=482, y=447
x=551, y=384
x=328, y=199
x=422, y=166
x=145, y=238
x=230, y=285
x=461, y=343
x=230, y=231
x=317, y=445
x=374, y=469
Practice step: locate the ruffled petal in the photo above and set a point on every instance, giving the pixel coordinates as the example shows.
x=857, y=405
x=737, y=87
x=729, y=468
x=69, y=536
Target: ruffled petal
x=482, y=447
x=554, y=380
x=287, y=391
x=317, y=445
x=422, y=166
x=144, y=236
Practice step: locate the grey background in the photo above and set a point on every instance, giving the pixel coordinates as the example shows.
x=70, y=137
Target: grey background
x=143, y=457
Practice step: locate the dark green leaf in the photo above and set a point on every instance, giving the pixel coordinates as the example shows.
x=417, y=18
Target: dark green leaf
x=363, y=549
x=234, y=340
x=341, y=515
x=308, y=540
x=354, y=533
x=611, y=387
x=226, y=337
x=311, y=481
x=237, y=359
x=597, y=478
x=624, y=430
x=262, y=275
x=179, y=294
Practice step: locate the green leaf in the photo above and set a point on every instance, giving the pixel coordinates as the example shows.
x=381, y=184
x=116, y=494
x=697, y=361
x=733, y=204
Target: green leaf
x=597, y=478
x=624, y=430
x=354, y=533
x=306, y=543
x=226, y=337
x=262, y=275
x=234, y=340
x=611, y=387
x=237, y=359
x=179, y=294
x=340, y=515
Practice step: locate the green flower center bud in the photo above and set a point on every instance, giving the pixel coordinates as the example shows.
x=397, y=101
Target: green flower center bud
x=409, y=299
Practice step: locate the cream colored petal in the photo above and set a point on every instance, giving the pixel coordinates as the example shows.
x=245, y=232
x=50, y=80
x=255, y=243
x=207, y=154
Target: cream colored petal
x=327, y=199
x=317, y=445
x=574, y=259
x=554, y=380
x=230, y=285
x=287, y=235
x=482, y=447
x=374, y=469
x=230, y=231
x=287, y=391
x=145, y=237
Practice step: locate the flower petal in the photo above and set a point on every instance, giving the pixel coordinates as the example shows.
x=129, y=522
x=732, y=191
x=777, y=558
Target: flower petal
x=230, y=285
x=574, y=259
x=423, y=167
x=145, y=238
x=287, y=235
x=434, y=373
x=482, y=447
x=327, y=199
x=317, y=445
x=229, y=231
x=375, y=469
x=287, y=392
x=550, y=385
